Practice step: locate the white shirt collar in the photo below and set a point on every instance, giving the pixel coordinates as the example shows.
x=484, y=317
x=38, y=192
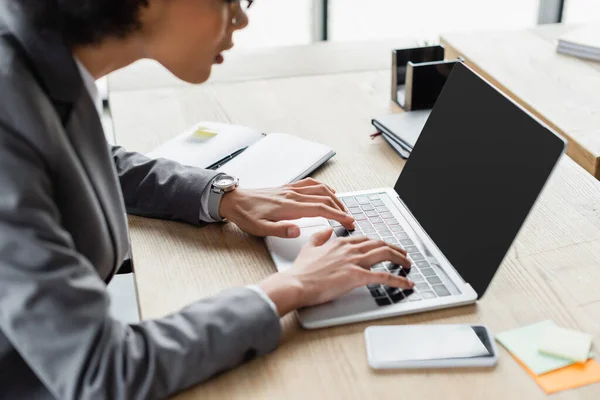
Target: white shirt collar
x=90, y=86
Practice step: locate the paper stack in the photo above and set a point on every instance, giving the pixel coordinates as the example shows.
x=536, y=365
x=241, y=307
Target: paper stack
x=557, y=358
x=583, y=42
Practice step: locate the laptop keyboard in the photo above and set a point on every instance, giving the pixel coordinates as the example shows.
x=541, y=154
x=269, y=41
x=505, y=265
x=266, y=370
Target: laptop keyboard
x=375, y=221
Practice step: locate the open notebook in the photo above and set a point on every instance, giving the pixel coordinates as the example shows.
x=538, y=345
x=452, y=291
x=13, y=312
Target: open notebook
x=259, y=160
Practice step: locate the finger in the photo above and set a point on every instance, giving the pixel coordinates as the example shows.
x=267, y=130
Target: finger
x=383, y=253
x=304, y=182
x=375, y=244
x=309, y=210
x=307, y=198
x=311, y=182
x=321, y=190
x=279, y=229
x=352, y=240
x=320, y=238
x=386, y=278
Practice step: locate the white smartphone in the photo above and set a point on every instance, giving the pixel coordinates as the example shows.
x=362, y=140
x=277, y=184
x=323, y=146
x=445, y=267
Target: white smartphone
x=430, y=346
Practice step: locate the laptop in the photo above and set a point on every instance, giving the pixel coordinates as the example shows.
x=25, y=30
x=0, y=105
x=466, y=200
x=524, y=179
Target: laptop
x=472, y=178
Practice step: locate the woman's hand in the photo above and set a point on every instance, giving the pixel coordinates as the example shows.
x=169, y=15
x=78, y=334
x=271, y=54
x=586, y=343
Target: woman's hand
x=260, y=212
x=326, y=270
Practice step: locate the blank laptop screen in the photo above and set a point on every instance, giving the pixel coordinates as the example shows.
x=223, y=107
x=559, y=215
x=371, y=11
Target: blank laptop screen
x=475, y=173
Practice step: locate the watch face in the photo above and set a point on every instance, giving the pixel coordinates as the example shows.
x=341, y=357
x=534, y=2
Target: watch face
x=225, y=182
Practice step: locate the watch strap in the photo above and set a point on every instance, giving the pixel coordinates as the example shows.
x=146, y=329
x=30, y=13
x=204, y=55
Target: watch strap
x=214, y=200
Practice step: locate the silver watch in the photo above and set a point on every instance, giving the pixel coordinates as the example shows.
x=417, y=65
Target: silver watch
x=220, y=185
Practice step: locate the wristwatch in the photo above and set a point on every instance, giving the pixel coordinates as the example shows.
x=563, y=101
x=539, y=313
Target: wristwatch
x=220, y=185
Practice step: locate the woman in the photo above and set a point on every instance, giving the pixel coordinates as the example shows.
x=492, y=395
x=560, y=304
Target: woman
x=64, y=193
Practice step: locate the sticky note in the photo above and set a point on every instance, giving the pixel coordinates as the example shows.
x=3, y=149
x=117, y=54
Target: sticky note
x=566, y=343
x=202, y=132
x=524, y=343
x=570, y=377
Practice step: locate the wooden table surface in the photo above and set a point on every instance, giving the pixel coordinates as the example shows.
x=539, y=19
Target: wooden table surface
x=551, y=272
x=563, y=91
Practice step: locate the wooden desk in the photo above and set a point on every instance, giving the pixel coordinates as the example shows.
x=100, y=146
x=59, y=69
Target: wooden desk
x=561, y=90
x=552, y=271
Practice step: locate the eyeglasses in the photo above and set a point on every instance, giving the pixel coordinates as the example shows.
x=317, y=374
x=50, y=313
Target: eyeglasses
x=246, y=4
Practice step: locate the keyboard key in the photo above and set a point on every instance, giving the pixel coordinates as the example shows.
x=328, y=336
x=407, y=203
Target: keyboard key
x=373, y=236
x=380, y=227
x=356, y=233
x=392, y=267
x=391, y=290
x=411, y=295
x=421, y=286
x=399, y=235
x=355, y=210
x=387, y=215
x=334, y=223
x=360, y=217
x=392, y=222
x=406, y=242
x=364, y=224
x=390, y=240
x=362, y=200
x=378, y=292
x=398, y=229
x=373, y=197
x=367, y=207
x=369, y=229
x=428, y=271
x=422, y=264
x=416, y=278
x=379, y=267
x=441, y=290
x=372, y=213
x=428, y=295
x=373, y=286
x=377, y=203
x=383, y=301
x=350, y=202
x=376, y=220
x=397, y=297
x=385, y=233
x=382, y=209
x=341, y=232
x=417, y=256
x=434, y=280
x=411, y=249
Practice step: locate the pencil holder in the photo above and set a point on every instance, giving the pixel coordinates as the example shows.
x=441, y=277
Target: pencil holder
x=418, y=76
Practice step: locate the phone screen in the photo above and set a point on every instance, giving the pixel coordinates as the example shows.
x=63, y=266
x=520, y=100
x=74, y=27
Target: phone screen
x=390, y=344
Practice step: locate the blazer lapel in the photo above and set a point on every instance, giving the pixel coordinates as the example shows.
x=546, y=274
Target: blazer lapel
x=85, y=133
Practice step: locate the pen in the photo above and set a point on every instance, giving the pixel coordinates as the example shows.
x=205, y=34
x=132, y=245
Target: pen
x=226, y=159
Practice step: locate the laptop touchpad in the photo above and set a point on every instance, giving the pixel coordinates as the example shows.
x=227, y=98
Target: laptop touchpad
x=285, y=251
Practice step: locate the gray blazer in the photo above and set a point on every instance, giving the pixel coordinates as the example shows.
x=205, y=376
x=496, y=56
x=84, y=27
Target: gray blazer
x=63, y=234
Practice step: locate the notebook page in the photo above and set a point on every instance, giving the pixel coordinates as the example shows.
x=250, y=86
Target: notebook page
x=585, y=37
x=206, y=143
x=276, y=160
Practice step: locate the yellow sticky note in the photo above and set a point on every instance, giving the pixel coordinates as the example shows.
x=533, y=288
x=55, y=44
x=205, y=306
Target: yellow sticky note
x=570, y=377
x=204, y=133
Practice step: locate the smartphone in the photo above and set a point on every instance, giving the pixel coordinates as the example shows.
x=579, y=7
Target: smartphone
x=430, y=346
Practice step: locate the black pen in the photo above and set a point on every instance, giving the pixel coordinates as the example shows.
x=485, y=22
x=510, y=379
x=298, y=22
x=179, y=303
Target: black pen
x=226, y=159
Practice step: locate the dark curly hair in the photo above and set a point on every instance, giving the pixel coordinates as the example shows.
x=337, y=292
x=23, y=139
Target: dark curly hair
x=84, y=22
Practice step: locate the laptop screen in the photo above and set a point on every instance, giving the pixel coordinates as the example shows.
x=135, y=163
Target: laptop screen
x=475, y=173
